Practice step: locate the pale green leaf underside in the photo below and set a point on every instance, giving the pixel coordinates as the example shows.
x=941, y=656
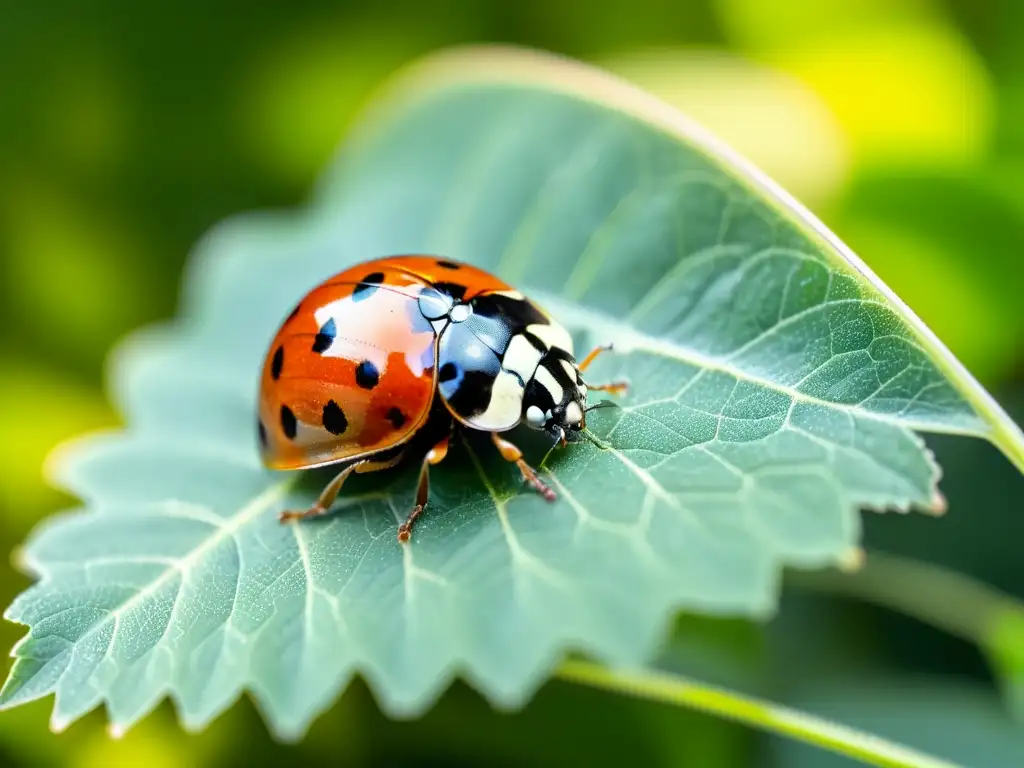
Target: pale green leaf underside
x=773, y=394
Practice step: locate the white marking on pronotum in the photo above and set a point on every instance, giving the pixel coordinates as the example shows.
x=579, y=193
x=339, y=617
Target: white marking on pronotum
x=553, y=335
x=511, y=294
x=521, y=357
x=545, y=379
x=506, y=405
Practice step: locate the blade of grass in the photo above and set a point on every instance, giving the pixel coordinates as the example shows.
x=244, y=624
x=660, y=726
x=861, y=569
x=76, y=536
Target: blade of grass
x=756, y=713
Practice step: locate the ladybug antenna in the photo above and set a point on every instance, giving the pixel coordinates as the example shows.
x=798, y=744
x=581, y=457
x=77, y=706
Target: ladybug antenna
x=602, y=404
x=590, y=436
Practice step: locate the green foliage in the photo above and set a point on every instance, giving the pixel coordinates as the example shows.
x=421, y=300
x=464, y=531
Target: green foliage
x=774, y=389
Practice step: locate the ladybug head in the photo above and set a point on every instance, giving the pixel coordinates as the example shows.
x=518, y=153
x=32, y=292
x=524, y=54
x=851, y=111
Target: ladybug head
x=555, y=398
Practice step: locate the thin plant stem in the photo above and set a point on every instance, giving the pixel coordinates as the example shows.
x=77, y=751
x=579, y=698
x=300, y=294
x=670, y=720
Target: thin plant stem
x=756, y=713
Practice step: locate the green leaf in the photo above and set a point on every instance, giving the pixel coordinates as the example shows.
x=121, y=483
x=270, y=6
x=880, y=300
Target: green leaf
x=775, y=384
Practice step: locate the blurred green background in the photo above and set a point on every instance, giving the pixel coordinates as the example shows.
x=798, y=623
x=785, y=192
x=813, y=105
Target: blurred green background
x=127, y=130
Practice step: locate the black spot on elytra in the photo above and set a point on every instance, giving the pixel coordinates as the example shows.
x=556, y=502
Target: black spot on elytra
x=367, y=286
x=263, y=434
x=324, y=337
x=396, y=417
x=448, y=372
x=334, y=418
x=277, y=364
x=288, y=423
x=445, y=264
x=367, y=375
x=454, y=290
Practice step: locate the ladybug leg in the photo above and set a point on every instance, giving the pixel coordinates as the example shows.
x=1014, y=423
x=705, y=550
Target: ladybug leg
x=327, y=496
x=510, y=453
x=434, y=456
x=594, y=353
x=330, y=492
x=615, y=387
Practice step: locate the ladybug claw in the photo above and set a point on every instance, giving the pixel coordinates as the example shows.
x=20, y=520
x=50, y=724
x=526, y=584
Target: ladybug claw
x=546, y=492
x=290, y=514
x=536, y=483
x=405, y=529
x=594, y=354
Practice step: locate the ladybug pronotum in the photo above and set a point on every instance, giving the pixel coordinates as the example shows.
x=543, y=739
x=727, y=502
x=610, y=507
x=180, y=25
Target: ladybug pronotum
x=384, y=360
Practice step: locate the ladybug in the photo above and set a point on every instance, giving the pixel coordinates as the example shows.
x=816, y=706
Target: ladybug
x=385, y=360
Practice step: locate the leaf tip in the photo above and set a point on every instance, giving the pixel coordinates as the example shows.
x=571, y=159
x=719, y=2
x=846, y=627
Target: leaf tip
x=116, y=730
x=189, y=722
x=59, y=723
x=852, y=560
x=938, y=505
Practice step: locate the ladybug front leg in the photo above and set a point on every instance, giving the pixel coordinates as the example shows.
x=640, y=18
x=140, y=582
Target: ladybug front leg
x=615, y=387
x=327, y=496
x=435, y=456
x=509, y=452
